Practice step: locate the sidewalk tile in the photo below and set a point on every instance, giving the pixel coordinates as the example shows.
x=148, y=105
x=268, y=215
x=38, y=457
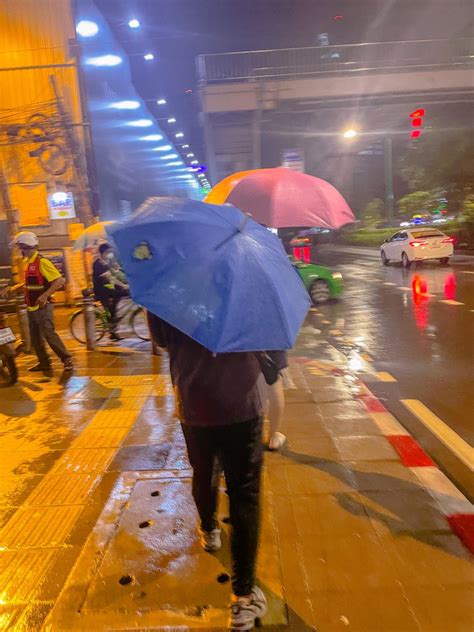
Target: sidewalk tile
x=15, y=489
x=32, y=527
x=100, y=438
x=404, y=511
x=316, y=446
x=447, y=496
x=292, y=565
x=84, y=460
x=375, y=610
x=300, y=610
x=387, y=424
x=439, y=609
x=429, y=559
x=383, y=475
x=367, y=448
x=347, y=563
x=31, y=618
x=307, y=475
x=27, y=463
x=331, y=514
x=357, y=426
x=140, y=457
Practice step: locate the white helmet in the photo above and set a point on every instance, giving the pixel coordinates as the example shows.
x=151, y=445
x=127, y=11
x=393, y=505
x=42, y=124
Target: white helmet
x=25, y=238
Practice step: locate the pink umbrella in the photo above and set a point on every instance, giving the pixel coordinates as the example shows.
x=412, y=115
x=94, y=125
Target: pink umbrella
x=281, y=198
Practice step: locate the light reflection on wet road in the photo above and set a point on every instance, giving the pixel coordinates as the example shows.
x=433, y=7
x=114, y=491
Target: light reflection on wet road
x=416, y=324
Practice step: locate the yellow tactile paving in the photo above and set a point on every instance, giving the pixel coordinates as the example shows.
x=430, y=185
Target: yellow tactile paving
x=124, y=403
x=116, y=381
x=58, y=489
x=32, y=527
x=118, y=418
x=21, y=572
x=142, y=390
x=88, y=460
x=99, y=438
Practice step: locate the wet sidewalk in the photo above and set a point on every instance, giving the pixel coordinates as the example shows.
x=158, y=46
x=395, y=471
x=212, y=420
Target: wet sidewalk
x=97, y=525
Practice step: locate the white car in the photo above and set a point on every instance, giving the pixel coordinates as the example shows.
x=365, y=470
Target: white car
x=417, y=244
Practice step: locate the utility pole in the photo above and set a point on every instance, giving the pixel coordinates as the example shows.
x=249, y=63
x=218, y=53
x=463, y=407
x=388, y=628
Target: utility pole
x=388, y=171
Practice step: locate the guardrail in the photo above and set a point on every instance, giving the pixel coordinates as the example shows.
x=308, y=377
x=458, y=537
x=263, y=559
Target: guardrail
x=366, y=57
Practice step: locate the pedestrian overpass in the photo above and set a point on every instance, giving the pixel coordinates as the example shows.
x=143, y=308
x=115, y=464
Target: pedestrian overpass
x=241, y=90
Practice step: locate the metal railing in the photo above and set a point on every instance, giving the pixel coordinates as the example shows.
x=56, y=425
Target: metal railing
x=347, y=58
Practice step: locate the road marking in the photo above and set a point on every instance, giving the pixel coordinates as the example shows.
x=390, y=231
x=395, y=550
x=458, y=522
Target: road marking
x=451, y=439
x=405, y=289
x=389, y=283
x=448, y=301
x=466, y=271
x=385, y=377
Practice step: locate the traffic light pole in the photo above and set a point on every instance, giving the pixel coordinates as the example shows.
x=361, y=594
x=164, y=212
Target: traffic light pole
x=388, y=172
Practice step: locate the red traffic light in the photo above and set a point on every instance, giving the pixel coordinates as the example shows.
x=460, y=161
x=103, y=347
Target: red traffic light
x=416, y=122
x=416, y=133
x=417, y=113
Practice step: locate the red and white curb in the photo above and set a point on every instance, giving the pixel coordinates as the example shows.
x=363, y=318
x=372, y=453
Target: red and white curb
x=457, y=509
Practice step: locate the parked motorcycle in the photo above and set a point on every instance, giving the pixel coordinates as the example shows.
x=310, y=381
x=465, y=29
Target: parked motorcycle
x=7, y=351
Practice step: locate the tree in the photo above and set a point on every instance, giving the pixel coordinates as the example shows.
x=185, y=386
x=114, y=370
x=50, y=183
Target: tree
x=418, y=202
x=440, y=159
x=373, y=213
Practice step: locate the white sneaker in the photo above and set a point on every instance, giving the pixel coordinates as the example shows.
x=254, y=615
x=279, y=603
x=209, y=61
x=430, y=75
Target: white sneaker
x=277, y=441
x=244, y=610
x=211, y=540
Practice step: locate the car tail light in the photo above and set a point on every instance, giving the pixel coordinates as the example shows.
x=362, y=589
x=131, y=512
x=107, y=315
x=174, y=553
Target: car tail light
x=448, y=240
x=415, y=243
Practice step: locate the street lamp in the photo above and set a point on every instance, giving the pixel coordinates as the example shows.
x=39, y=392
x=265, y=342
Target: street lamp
x=350, y=133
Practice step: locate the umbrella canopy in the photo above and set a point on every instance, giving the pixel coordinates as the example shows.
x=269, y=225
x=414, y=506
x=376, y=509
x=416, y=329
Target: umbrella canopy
x=213, y=273
x=282, y=198
x=93, y=235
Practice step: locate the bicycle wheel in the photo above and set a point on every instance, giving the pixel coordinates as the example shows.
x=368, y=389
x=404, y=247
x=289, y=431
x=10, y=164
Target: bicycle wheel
x=77, y=326
x=139, y=324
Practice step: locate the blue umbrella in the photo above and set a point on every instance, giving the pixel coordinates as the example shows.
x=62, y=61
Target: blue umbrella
x=213, y=273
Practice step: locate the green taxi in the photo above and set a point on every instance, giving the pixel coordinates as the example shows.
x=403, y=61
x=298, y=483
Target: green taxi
x=322, y=284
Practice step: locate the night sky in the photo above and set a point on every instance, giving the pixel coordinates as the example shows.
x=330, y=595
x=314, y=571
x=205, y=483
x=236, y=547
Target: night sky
x=179, y=30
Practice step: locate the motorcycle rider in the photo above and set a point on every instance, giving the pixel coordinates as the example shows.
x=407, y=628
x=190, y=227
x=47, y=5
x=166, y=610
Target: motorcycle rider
x=42, y=279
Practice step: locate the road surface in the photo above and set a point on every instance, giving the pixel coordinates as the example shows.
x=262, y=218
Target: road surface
x=414, y=328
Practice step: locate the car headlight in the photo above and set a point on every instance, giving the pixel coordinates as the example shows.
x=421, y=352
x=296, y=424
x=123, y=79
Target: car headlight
x=336, y=275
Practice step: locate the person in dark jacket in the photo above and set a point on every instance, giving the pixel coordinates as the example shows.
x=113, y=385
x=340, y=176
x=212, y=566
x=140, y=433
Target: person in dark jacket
x=219, y=406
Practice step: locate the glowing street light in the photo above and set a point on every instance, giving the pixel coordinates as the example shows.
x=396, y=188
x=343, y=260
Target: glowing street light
x=163, y=148
x=161, y=102
x=87, y=28
x=104, y=60
x=350, y=133
x=134, y=23
x=194, y=162
x=171, y=120
x=141, y=123
x=152, y=137
x=125, y=105
x=185, y=146
x=149, y=57
x=179, y=135
x=189, y=155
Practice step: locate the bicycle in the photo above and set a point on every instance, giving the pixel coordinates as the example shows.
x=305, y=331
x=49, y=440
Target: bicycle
x=133, y=312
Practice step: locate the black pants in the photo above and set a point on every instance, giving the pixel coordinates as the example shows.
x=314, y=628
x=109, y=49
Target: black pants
x=42, y=328
x=239, y=450
x=110, y=299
